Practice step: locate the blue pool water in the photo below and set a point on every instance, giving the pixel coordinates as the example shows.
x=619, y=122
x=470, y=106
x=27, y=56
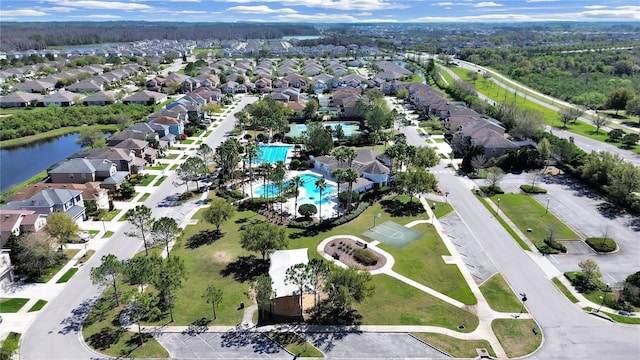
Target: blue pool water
x=312, y=195
x=348, y=128
x=272, y=154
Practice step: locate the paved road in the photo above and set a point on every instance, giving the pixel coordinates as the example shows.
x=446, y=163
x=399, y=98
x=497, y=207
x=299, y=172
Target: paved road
x=55, y=334
x=569, y=332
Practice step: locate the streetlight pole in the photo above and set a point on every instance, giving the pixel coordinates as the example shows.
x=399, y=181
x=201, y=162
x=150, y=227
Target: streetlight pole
x=498, y=209
x=547, y=208
x=446, y=197
x=524, y=299
x=604, y=297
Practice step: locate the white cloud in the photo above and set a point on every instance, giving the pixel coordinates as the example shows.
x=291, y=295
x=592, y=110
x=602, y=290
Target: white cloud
x=321, y=17
x=364, y=13
x=97, y=16
x=96, y=4
x=620, y=13
x=449, y=4
x=259, y=9
x=539, y=1
x=490, y=17
x=595, y=7
x=486, y=4
x=364, y=5
x=192, y=1
x=21, y=12
x=60, y=9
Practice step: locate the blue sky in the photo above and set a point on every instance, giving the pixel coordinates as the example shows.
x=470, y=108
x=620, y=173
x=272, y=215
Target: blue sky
x=348, y=11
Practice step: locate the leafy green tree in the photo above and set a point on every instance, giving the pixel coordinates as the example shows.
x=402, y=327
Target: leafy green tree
x=378, y=116
x=107, y=273
x=213, y=295
x=166, y=229
x=618, y=99
x=321, y=185
x=31, y=257
x=544, y=149
x=210, y=108
x=494, y=176
x=300, y=276
x=91, y=139
x=206, y=154
x=624, y=180
x=168, y=279
x=415, y=181
x=140, y=217
x=633, y=107
x=569, y=115
x=140, y=307
x=61, y=227
x=616, y=134
x=590, y=270
x=220, y=211
x=251, y=150
x=350, y=176
x=345, y=286
x=631, y=289
x=425, y=156
x=630, y=140
x=599, y=121
x=227, y=156
x=307, y=210
x=311, y=109
x=263, y=237
x=191, y=169
x=318, y=273
x=262, y=292
x=319, y=141
x=140, y=270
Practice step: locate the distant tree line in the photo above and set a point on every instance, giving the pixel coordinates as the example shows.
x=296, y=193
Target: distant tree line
x=41, y=35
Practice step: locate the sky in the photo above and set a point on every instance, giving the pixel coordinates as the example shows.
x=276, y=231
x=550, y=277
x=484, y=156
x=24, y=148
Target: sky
x=320, y=11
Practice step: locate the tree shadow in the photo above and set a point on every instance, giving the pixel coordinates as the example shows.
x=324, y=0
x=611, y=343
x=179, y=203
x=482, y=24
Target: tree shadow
x=329, y=314
x=204, y=237
x=106, y=337
x=197, y=327
x=74, y=322
x=134, y=342
x=397, y=208
x=241, y=337
x=633, y=124
x=246, y=268
x=634, y=224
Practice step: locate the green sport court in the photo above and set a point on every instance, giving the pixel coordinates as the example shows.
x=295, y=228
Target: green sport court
x=393, y=234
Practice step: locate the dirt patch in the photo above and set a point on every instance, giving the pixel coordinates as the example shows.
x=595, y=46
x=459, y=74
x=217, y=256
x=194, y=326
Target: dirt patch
x=344, y=248
x=222, y=257
x=553, y=171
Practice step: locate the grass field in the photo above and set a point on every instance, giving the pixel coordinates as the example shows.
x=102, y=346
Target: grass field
x=160, y=181
x=442, y=209
x=504, y=224
x=38, y=305
x=516, y=336
x=67, y=275
x=144, y=197
x=85, y=257
x=55, y=133
x=10, y=345
x=12, y=305
x=109, y=215
x=526, y=213
x=564, y=290
x=107, y=235
x=295, y=344
x=51, y=272
x=455, y=347
x=146, y=180
x=158, y=166
x=499, y=295
x=618, y=318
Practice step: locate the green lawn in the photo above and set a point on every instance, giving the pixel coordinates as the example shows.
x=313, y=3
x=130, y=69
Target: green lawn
x=564, y=290
x=107, y=235
x=442, y=209
x=295, y=344
x=173, y=167
x=187, y=141
x=12, y=305
x=439, y=140
x=415, y=78
x=144, y=197
x=67, y=276
x=49, y=273
x=85, y=257
x=396, y=303
x=10, y=345
x=146, y=180
x=516, y=336
x=171, y=156
x=109, y=215
x=525, y=212
x=160, y=181
x=499, y=295
x=38, y=305
x=158, y=166
x=618, y=318
x=504, y=224
x=455, y=347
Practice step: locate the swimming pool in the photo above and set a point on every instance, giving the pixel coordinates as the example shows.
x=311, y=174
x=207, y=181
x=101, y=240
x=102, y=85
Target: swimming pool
x=311, y=193
x=349, y=128
x=272, y=154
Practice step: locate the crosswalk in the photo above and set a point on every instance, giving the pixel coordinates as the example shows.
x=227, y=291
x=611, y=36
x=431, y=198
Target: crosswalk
x=448, y=171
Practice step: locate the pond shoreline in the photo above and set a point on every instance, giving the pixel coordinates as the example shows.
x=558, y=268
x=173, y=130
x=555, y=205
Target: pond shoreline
x=27, y=140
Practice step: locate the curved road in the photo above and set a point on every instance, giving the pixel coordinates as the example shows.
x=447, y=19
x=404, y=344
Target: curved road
x=569, y=333
x=55, y=333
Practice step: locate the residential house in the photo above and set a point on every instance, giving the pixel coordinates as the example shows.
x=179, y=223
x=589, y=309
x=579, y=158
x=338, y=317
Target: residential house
x=141, y=148
x=176, y=126
x=49, y=201
x=35, y=86
x=100, y=98
x=145, y=97
x=125, y=161
x=6, y=268
x=81, y=170
x=91, y=192
x=16, y=222
x=155, y=84
x=129, y=134
x=61, y=98
x=373, y=167
x=87, y=86
x=297, y=81
x=19, y=99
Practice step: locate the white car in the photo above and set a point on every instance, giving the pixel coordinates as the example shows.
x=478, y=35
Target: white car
x=84, y=236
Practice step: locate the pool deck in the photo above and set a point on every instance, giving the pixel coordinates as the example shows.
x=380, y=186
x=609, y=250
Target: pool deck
x=329, y=209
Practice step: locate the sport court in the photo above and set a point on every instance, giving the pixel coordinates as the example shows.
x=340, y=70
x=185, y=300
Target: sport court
x=393, y=234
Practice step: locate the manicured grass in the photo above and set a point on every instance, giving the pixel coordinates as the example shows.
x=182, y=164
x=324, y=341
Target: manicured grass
x=504, y=224
x=146, y=180
x=109, y=215
x=160, y=181
x=516, y=336
x=108, y=234
x=533, y=189
x=85, y=257
x=414, y=79
x=295, y=344
x=600, y=244
x=563, y=289
x=396, y=303
x=51, y=272
x=618, y=318
x=171, y=156
x=442, y=209
x=144, y=197
x=455, y=347
x=12, y=305
x=187, y=141
x=10, y=345
x=499, y=295
x=439, y=140
x=55, y=133
x=100, y=333
x=67, y=276
x=525, y=212
x=447, y=79
x=173, y=167
x=158, y=166
x=38, y=305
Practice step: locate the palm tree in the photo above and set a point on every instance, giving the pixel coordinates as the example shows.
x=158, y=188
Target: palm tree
x=350, y=154
x=265, y=170
x=321, y=184
x=340, y=155
x=350, y=176
x=339, y=175
x=296, y=182
x=277, y=175
x=251, y=150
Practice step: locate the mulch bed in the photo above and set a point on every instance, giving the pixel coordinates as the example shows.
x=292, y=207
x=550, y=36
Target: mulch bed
x=333, y=247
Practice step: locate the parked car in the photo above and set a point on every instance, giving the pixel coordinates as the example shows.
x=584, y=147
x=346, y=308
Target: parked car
x=84, y=236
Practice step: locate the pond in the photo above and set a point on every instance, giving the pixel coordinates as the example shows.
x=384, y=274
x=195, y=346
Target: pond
x=20, y=163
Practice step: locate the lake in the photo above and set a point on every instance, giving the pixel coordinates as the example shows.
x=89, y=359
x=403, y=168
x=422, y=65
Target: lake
x=20, y=163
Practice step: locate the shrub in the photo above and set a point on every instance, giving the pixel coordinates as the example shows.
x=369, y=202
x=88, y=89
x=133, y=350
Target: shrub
x=294, y=164
x=600, y=244
x=10, y=345
x=488, y=190
x=365, y=257
x=533, y=189
x=304, y=164
x=307, y=210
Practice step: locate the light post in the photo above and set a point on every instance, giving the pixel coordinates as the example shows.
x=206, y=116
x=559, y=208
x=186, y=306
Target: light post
x=498, y=209
x=547, y=208
x=377, y=216
x=104, y=227
x=524, y=299
x=446, y=197
x=604, y=297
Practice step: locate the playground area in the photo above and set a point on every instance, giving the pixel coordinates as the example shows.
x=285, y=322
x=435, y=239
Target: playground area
x=393, y=234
